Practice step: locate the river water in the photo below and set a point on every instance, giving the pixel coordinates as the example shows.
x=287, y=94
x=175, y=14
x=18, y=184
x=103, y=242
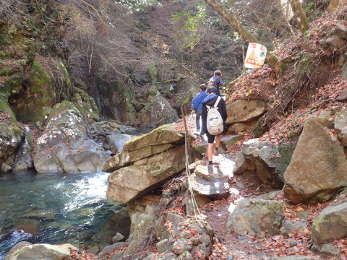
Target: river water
x=52, y=208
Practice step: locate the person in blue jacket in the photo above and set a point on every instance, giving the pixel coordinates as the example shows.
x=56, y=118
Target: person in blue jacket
x=197, y=106
x=213, y=142
x=216, y=81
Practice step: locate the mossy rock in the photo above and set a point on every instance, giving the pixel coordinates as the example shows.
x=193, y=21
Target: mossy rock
x=127, y=104
x=63, y=106
x=86, y=105
x=12, y=85
x=7, y=71
x=33, y=102
x=152, y=91
x=5, y=108
x=153, y=72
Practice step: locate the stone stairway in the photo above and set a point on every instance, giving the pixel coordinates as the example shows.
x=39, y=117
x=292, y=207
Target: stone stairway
x=213, y=180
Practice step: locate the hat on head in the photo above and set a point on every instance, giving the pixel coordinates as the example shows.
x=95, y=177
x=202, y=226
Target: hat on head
x=212, y=90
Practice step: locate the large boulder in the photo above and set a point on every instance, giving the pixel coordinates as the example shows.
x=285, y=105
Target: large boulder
x=24, y=160
x=127, y=157
x=11, y=135
x=116, y=224
x=318, y=166
x=244, y=110
x=102, y=132
x=341, y=126
x=330, y=224
x=37, y=95
x=139, y=147
x=127, y=183
x=64, y=145
x=165, y=134
x=268, y=160
x=41, y=251
x=256, y=217
x=143, y=214
x=156, y=111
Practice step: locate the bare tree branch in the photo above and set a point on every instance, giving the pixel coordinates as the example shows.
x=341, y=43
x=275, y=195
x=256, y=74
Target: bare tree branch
x=300, y=13
x=232, y=21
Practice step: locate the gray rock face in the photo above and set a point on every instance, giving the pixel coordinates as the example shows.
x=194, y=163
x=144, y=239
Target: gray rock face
x=289, y=226
x=127, y=183
x=142, y=222
x=341, y=126
x=64, y=145
x=157, y=111
x=145, y=161
x=343, y=95
x=116, y=142
x=108, y=250
x=327, y=250
x=117, y=237
x=41, y=251
x=115, y=229
x=266, y=151
x=256, y=217
x=24, y=160
x=330, y=224
x=268, y=160
x=318, y=166
x=10, y=138
x=245, y=110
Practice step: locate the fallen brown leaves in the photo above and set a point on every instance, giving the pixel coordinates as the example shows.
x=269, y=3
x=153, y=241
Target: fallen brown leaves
x=298, y=242
x=82, y=255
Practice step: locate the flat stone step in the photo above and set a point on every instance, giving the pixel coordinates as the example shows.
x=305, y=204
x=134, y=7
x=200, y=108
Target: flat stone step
x=210, y=172
x=208, y=187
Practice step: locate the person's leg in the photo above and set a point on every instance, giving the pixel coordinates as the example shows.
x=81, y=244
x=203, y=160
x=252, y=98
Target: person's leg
x=200, y=122
x=210, y=152
x=210, y=147
x=218, y=141
x=197, y=121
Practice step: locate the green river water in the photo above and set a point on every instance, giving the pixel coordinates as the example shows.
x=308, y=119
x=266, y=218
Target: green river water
x=53, y=208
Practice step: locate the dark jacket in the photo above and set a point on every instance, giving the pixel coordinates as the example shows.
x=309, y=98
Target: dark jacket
x=197, y=101
x=217, y=83
x=210, y=101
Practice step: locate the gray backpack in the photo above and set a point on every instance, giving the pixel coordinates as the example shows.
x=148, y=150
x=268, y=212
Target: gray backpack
x=214, y=119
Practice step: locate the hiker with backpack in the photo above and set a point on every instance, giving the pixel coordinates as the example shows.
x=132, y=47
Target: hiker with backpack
x=216, y=81
x=213, y=117
x=197, y=106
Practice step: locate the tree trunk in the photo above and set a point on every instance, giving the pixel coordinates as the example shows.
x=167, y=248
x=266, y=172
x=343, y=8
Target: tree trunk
x=234, y=23
x=232, y=20
x=300, y=14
